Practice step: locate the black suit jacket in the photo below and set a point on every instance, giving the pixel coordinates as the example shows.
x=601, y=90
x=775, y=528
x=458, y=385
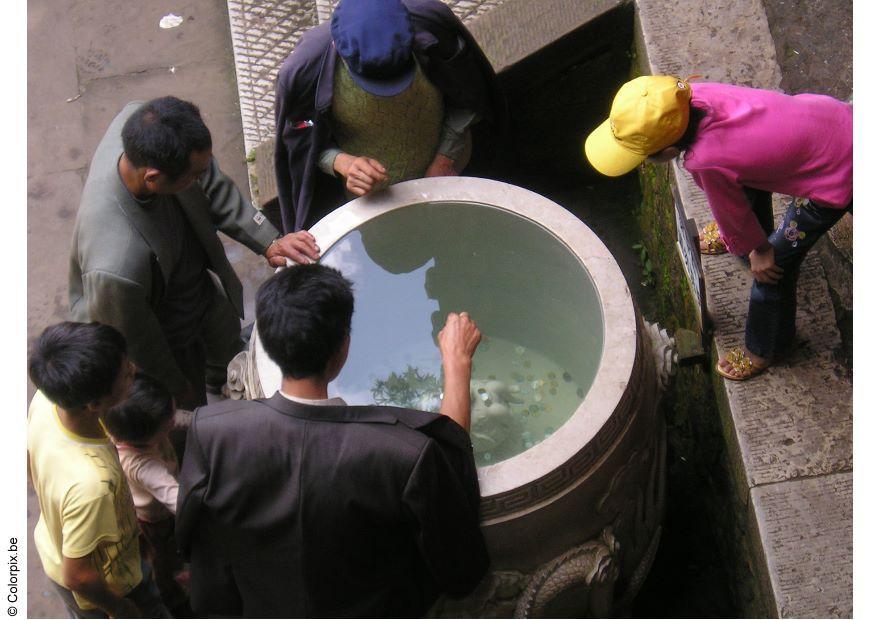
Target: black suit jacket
x=291, y=510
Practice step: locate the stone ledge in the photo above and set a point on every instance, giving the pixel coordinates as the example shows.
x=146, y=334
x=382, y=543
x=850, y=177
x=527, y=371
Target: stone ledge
x=814, y=582
x=790, y=430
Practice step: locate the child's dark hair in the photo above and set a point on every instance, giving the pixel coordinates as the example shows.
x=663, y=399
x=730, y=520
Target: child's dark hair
x=303, y=315
x=163, y=133
x=75, y=364
x=696, y=116
x=142, y=413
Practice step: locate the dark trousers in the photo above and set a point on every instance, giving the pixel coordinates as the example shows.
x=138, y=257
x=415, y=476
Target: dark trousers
x=771, y=317
x=158, y=547
x=206, y=355
x=145, y=596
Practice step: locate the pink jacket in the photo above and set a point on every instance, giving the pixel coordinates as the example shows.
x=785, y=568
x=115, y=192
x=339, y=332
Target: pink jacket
x=798, y=145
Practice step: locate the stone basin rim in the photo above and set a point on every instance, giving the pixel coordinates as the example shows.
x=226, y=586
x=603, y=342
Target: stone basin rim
x=617, y=357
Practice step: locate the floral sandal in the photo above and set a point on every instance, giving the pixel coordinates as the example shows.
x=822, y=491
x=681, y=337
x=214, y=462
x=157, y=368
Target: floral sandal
x=742, y=366
x=712, y=240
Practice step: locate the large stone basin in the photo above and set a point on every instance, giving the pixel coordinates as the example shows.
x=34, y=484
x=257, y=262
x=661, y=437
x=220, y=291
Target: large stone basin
x=569, y=446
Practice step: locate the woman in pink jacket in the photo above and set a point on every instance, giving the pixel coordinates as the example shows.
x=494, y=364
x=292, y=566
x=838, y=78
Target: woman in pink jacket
x=740, y=144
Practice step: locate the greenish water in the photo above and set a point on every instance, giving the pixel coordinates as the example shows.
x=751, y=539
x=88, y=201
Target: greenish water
x=531, y=298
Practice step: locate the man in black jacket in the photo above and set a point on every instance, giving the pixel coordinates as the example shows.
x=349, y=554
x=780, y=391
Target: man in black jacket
x=388, y=91
x=301, y=506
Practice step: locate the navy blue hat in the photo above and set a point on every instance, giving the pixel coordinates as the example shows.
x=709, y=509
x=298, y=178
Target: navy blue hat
x=375, y=39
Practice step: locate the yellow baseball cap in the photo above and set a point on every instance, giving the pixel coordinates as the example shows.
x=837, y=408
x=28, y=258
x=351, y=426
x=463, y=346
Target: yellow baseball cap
x=649, y=114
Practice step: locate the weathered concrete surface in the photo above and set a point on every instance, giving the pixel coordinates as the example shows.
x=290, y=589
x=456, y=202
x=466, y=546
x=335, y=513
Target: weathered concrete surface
x=814, y=47
x=106, y=54
x=520, y=29
x=816, y=511
x=794, y=422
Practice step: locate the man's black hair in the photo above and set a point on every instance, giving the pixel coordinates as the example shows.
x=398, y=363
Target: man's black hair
x=75, y=364
x=163, y=133
x=303, y=315
x=142, y=413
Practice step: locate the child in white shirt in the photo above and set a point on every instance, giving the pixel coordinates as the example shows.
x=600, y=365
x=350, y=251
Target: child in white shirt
x=140, y=427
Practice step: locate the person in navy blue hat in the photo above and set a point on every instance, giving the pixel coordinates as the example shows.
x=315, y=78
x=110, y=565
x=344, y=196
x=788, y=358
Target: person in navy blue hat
x=389, y=90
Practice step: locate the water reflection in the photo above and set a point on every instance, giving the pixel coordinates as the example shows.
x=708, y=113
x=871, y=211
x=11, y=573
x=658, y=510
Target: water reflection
x=535, y=305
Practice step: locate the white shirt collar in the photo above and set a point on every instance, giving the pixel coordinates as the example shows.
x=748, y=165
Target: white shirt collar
x=335, y=401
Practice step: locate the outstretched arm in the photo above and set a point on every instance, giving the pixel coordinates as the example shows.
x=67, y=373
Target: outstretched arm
x=457, y=341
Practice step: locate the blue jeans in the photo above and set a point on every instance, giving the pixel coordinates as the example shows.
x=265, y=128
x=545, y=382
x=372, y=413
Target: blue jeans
x=771, y=317
x=145, y=596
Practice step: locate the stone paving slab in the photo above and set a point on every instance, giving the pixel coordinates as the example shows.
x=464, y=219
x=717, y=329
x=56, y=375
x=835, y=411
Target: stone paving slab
x=794, y=422
x=813, y=581
x=521, y=28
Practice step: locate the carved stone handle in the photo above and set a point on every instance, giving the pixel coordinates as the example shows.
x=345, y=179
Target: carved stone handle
x=578, y=583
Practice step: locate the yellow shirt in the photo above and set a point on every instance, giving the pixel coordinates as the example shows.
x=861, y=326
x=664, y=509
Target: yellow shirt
x=85, y=503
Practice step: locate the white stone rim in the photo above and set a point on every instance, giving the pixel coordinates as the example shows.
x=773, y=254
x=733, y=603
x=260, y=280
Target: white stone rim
x=618, y=313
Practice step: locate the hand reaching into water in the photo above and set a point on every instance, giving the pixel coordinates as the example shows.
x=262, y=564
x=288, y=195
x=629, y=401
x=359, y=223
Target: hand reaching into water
x=458, y=341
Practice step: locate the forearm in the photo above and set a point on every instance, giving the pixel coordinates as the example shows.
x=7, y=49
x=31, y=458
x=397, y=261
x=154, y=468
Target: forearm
x=731, y=208
x=81, y=577
x=156, y=478
x=456, y=403
x=232, y=213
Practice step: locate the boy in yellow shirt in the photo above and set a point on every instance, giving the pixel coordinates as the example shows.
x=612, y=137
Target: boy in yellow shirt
x=86, y=535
